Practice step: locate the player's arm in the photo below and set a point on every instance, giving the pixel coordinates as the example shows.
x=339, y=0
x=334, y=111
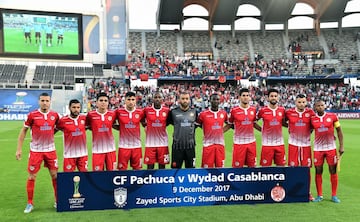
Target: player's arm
x=340, y=137
x=21, y=138
x=257, y=126
x=116, y=125
x=285, y=122
x=227, y=127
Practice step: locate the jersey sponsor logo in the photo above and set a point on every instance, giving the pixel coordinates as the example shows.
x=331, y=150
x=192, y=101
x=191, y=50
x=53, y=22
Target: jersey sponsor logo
x=322, y=128
x=130, y=125
x=246, y=121
x=45, y=127
x=216, y=126
x=300, y=123
x=157, y=123
x=274, y=122
x=77, y=132
x=103, y=128
x=186, y=123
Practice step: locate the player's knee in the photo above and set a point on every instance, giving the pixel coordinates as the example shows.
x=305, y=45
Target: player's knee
x=32, y=176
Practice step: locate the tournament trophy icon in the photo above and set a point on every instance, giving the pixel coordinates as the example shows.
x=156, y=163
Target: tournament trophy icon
x=20, y=98
x=116, y=20
x=76, y=180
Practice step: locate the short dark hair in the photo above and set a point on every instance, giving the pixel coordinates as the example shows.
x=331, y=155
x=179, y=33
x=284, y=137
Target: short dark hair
x=301, y=96
x=44, y=94
x=102, y=94
x=129, y=94
x=273, y=90
x=73, y=101
x=242, y=90
x=213, y=95
x=158, y=93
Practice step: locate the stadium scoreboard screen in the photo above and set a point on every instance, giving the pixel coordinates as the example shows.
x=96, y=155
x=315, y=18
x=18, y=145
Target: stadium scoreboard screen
x=45, y=35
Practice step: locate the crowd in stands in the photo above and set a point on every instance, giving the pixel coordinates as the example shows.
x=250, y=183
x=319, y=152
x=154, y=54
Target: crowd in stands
x=336, y=96
x=157, y=66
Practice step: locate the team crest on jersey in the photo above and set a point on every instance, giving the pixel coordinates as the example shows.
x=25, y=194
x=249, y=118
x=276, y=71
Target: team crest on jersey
x=222, y=116
x=280, y=114
x=164, y=114
x=52, y=117
x=32, y=168
x=120, y=197
x=109, y=118
x=191, y=114
x=251, y=112
x=137, y=116
x=68, y=166
x=307, y=115
x=82, y=122
x=328, y=120
x=278, y=193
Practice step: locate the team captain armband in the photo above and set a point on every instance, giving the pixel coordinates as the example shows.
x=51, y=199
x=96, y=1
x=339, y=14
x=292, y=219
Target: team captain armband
x=337, y=124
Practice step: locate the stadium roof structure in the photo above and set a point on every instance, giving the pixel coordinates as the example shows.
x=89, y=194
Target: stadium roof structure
x=223, y=12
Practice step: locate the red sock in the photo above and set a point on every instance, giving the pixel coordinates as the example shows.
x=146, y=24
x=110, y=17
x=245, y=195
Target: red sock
x=55, y=188
x=318, y=182
x=334, y=183
x=30, y=190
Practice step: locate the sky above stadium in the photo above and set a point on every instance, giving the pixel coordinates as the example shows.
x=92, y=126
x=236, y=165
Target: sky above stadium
x=144, y=17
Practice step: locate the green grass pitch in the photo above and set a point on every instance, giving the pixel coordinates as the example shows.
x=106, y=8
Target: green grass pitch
x=14, y=174
x=14, y=42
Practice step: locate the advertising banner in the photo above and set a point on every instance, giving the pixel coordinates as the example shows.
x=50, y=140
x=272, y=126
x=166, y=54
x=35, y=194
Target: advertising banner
x=185, y=187
x=15, y=104
x=116, y=31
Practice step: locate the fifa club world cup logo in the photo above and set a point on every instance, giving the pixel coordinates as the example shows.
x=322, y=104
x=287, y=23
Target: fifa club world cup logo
x=76, y=180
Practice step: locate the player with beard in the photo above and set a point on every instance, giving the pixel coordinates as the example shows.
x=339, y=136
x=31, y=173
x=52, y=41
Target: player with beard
x=74, y=129
x=243, y=120
x=271, y=132
x=212, y=122
x=298, y=122
x=183, y=118
x=156, y=145
x=42, y=123
x=325, y=148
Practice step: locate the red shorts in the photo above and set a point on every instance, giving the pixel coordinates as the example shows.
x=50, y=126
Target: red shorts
x=276, y=153
x=36, y=158
x=213, y=155
x=244, y=154
x=133, y=155
x=157, y=155
x=329, y=155
x=299, y=156
x=98, y=160
x=81, y=163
